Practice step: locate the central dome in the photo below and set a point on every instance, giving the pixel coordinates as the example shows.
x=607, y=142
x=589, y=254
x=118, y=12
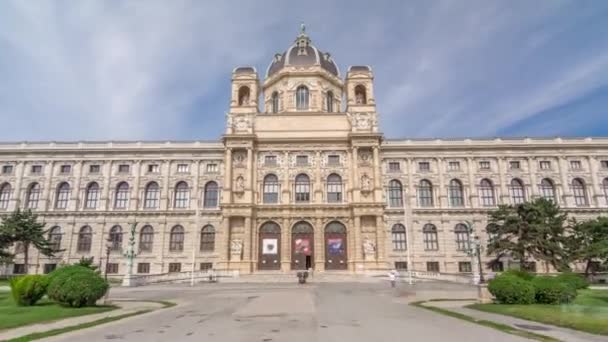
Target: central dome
x=302, y=53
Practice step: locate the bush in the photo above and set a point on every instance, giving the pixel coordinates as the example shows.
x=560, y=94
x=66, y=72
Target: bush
x=576, y=281
x=520, y=274
x=28, y=289
x=510, y=289
x=76, y=286
x=550, y=290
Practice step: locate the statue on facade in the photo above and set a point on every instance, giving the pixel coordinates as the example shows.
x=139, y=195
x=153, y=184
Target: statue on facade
x=366, y=183
x=236, y=249
x=369, y=249
x=239, y=185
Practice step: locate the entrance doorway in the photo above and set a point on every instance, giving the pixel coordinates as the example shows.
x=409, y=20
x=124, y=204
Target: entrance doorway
x=335, y=246
x=269, y=247
x=302, y=246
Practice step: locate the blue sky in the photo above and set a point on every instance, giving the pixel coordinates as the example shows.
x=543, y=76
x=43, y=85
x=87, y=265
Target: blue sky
x=100, y=70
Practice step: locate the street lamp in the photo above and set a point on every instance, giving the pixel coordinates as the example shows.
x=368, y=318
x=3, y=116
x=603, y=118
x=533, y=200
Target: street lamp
x=108, y=251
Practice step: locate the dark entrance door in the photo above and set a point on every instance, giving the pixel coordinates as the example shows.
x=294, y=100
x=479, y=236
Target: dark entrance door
x=302, y=246
x=269, y=247
x=335, y=246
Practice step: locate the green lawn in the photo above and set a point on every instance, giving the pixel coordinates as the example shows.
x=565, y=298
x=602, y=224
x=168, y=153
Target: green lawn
x=15, y=316
x=589, y=312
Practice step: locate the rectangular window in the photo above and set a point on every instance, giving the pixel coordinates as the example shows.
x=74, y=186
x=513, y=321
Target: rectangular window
x=575, y=165
x=498, y=266
x=36, y=169
x=464, y=267
x=212, y=168
x=270, y=160
x=401, y=265
x=454, y=166
x=484, y=165
x=48, y=268
x=175, y=267
x=424, y=166
x=206, y=266
x=545, y=165
x=153, y=168
x=143, y=267
x=112, y=268
x=301, y=160
x=65, y=169
x=19, y=269
x=394, y=167
x=333, y=159
x=514, y=165
x=604, y=164
x=432, y=266
x=123, y=168
x=94, y=168
x=183, y=168
x=7, y=169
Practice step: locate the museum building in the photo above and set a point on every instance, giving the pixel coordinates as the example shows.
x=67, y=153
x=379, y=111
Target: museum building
x=302, y=178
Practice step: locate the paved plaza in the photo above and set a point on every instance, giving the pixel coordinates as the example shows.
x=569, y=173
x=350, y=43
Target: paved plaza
x=353, y=312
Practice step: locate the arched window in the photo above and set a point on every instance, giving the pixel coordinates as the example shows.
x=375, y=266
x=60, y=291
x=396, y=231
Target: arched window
x=605, y=186
x=55, y=238
x=115, y=238
x=580, y=192
x=32, y=196
x=271, y=189
x=462, y=237
x=211, y=195
x=547, y=189
x=431, y=241
x=360, y=94
x=5, y=195
x=176, y=239
x=334, y=188
x=455, y=193
x=302, y=98
x=63, y=196
x=85, y=235
x=395, y=195
x=121, y=199
x=92, y=196
x=151, y=195
x=329, y=99
x=244, y=94
x=518, y=195
x=182, y=195
x=275, y=102
x=486, y=193
x=302, y=188
x=399, y=237
x=146, y=239
x=425, y=193
x=208, y=238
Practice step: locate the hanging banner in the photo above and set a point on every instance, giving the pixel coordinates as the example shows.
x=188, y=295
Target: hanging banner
x=270, y=246
x=335, y=246
x=302, y=246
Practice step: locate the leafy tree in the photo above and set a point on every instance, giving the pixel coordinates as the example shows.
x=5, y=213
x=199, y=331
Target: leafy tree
x=534, y=230
x=23, y=227
x=589, y=241
x=87, y=262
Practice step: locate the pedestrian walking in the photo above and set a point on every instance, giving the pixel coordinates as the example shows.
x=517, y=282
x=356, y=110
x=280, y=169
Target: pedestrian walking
x=392, y=276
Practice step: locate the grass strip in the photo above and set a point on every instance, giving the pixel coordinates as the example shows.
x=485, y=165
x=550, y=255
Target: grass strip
x=498, y=326
x=58, y=331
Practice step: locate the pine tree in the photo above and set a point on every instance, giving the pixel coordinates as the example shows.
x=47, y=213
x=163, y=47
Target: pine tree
x=589, y=241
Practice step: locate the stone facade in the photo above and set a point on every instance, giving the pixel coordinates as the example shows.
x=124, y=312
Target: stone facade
x=307, y=181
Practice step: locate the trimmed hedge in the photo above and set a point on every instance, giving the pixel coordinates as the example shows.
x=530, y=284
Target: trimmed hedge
x=76, y=286
x=510, y=289
x=550, y=290
x=576, y=281
x=28, y=289
x=520, y=274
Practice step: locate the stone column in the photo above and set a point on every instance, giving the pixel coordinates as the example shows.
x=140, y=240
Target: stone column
x=19, y=171
x=503, y=195
x=165, y=197
x=247, y=247
x=357, y=255
x=196, y=192
x=285, y=244
x=284, y=186
x=227, y=190
x=381, y=241
x=319, y=245
x=566, y=193
x=410, y=198
x=473, y=198
x=224, y=242
x=135, y=193
x=106, y=199
x=355, y=186
x=377, y=175
x=532, y=192
x=249, y=184
x=47, y=194
x=441, y=194
x=596, y=192
x=77, y=193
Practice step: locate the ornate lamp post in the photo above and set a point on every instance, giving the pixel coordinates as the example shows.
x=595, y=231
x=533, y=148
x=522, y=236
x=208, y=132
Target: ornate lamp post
x=108, y=251
x=130, y=255
x=474, y=251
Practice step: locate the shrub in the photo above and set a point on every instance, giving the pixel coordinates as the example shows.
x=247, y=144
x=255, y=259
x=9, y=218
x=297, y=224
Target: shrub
x=520, y=274
x=28, y=289
x=510, y=289
x=76, y=286
x=550, y=290
x=576, y=281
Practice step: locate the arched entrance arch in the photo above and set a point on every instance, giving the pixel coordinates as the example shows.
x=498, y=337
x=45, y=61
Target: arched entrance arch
x=270, y=246
x=302, y=246
x=335, y=246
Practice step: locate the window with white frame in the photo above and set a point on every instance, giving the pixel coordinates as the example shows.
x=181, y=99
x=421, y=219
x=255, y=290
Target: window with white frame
x=463, y=238
x=580, y=193
x=212, y=168
x=604, y=164
x=302, y=188
x=334, y=188
x=424, y=166
x=5, y=195
x=7, y=169
x=394, y=166
x=301, y=160
x=518, y=194
x=36, y=169
x=121, y=198
x=486, y=193
x=32, y=196
x=399, y=237
x=63, y=196
x=183, y=168
x=431, y=240
x=395, y=194
x=65, y=169
x=575, y=165
x=333, y=159
x=547, y=189
x=545, y=165
x=270, y=191
x=456, y=193
x=92, y=196
x=153, y=168
x=425, y=193
x=123, y=168
x=484, y=165
x=270, y=160
x=182, y=195
x=514, y=165
x=152, y=196
x=94, y=168
x=453, y=166
x=211, y=196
